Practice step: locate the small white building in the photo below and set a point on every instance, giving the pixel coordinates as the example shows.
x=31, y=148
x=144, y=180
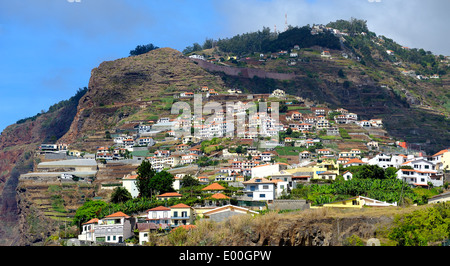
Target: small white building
x=158, y=215
x=114, y=228
x=347, y=175
x=129, y=183
x=257, y=189
x=264, y=170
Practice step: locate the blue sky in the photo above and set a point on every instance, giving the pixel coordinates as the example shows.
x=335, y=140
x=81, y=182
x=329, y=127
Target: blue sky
x=49, y=47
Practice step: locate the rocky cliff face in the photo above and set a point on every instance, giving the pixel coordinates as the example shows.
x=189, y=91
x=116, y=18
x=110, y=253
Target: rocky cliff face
x=117, y=88
x=18, y=143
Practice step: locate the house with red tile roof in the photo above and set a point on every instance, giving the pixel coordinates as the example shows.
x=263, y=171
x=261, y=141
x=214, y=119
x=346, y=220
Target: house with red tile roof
x=181, y=214
x=113, y=228
x=158, y=215
x=169, y=195
x=213, y=187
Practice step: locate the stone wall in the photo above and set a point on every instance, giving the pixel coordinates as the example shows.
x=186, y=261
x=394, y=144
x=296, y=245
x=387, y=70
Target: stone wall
x=288, y=205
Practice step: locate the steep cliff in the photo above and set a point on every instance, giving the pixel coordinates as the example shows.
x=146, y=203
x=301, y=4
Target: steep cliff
x=118, y=88
x=18, y=143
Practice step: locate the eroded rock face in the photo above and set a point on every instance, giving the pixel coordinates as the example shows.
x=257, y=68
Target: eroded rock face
x=125, y=82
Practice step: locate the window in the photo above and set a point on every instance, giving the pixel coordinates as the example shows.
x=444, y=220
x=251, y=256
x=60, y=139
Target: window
x=265, y=186
x=262, y=195
x=154, y=215
x=175, y=214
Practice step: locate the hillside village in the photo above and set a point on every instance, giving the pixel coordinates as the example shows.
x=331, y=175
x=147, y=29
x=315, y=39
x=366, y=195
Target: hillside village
x=307, y=143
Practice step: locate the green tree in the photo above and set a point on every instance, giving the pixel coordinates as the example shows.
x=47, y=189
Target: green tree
x=90, y=209
x=120, y=194
x=142, y=49
x=162, y=182
x=145, y=173
x=422, y=227
x=370, y=171
x=189, y=181
x=288, y=131
x=390, y=172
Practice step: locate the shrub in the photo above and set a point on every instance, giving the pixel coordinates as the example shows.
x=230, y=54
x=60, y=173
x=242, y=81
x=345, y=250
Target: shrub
x=353, y=241
x=422, y=227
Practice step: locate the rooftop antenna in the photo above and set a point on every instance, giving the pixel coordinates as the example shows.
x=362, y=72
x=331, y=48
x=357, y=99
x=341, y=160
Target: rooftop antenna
x=285, y=22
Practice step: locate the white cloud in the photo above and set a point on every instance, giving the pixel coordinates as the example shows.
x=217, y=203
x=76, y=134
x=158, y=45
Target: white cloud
x=413, y=23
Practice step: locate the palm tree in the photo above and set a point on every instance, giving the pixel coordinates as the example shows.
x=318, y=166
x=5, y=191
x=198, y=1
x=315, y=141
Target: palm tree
x=120, y=194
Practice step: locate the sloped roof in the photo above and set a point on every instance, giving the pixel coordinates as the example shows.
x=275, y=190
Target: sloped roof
x=218, y=196
x=159, y=208
x=91, y=221
x=214, y=186
x=170, y=194
x=355, y=161
x=262, y=181
x=117, y=215
x=441, y=152
x=180, y=205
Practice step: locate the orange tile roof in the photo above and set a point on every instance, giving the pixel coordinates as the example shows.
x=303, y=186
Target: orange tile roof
x=354, y=161
x=214, y=186
x=131, y=177
x=441, y=152
x=91, y=221
x=218, y=196
x=159, y=208
x=180, y=205
x=170, y=194
x=117, y=214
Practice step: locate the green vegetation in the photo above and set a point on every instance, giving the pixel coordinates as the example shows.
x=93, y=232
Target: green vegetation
x=264, y=41
x=369, y=181
x=424, y=227
x=352, y=26
x=120, y=194
x=142, y=49
x=149, y=182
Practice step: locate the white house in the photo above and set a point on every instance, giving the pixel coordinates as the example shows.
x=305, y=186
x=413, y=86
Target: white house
x=145, y=141
x=129, y=182
x=281, y=187
x=421, y=165
x=423, y=172
x=415, y=177
x=158, y=215
x=347, y=175
x=114, y=228
x=257, y=189
x=265, y=170
x=196, y=56
x=387, y=160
